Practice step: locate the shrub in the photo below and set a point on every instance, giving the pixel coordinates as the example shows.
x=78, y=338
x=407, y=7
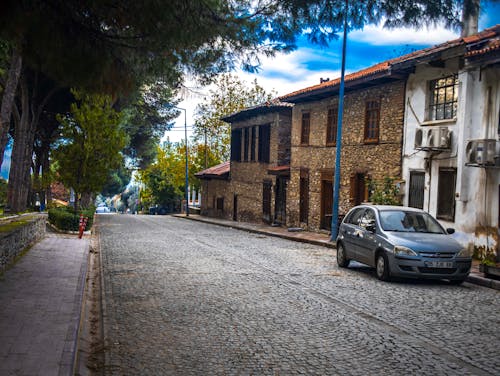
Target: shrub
x=67, y=219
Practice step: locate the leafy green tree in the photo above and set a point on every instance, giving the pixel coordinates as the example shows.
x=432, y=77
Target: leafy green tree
x=116, y=182
x=229, y=95
x=91, y=144
x=145, y=120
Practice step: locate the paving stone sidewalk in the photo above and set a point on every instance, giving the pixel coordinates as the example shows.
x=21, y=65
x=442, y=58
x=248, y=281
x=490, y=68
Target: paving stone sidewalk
x=40, y=305
x=322, y=239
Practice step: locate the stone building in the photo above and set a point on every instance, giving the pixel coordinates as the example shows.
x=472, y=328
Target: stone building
x=255, y=188
x=371, y=142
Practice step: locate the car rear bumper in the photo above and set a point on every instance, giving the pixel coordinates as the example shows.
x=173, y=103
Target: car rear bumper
x=424, y=268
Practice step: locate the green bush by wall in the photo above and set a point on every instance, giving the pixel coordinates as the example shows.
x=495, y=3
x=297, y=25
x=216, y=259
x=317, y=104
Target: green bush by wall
x=67, y=220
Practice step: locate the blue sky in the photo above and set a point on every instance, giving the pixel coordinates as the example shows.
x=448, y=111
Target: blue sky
x=305, y=66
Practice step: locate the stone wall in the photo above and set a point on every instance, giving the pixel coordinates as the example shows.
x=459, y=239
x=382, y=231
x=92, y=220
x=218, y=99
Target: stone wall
x=247, y=177
x=19, y=233
x=376, y=161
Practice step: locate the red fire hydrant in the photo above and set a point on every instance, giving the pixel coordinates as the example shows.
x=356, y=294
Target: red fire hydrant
x=81, y=227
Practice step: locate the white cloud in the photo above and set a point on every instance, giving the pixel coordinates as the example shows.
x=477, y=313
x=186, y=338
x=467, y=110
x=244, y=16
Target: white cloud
x=376, y=35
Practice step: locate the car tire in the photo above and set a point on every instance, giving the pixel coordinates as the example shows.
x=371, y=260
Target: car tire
x=342, y=260
x=382, y=267
x=456, y=282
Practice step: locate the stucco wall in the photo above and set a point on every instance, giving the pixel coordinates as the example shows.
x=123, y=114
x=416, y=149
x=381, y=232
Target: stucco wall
x=476, y=190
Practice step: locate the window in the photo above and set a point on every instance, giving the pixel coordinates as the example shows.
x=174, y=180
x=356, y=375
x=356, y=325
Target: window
x=252, y=143
x=446, y=194
x=372, y=121
x=304, y=196
x=443, y=98
x=264, y=142
x=305, y=129
x=358, y=191
x=220, y=203
x=267, y=187
x=246, y=137
x=236, y=145
x=355, y=216
x=331, y=127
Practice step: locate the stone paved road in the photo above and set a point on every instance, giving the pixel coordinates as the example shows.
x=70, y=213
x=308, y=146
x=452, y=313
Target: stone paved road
x=189, y=298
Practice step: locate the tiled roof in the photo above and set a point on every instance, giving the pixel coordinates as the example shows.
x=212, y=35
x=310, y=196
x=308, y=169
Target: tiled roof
x=490, y=46
x=264, y=108
x=386, y=68
x=220, y=171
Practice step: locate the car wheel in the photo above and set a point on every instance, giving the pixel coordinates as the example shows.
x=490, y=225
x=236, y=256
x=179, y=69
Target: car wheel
x=342, y=260
x=382, y=267
x=456, y=282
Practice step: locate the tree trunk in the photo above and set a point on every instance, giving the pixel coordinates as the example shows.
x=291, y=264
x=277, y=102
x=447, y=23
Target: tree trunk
x=86, y=200
x=24, y=137
x=8, y=97
x=17, y=191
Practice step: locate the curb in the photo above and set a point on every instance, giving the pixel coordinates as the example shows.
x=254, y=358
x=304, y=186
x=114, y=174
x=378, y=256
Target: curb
x=257, y=231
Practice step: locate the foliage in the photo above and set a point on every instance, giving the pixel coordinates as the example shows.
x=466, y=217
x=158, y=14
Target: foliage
x=164, y=180
x=66, y=219
x=145, y=121
x=91, y=143
x=385, y=192
x=117, y=181
x=229, y=95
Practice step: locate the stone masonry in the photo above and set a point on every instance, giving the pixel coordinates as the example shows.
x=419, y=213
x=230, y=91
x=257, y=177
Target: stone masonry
x=375, y=161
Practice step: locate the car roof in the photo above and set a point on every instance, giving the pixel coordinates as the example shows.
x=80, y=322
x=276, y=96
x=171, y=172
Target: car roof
x=388, y=207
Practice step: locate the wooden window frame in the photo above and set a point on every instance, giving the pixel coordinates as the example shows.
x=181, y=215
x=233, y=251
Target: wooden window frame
x=236, y=145
x=372, y=122
x=264, y=143
x=305, y=128
x=253, y=140
x=246, y=141
x=331, y=126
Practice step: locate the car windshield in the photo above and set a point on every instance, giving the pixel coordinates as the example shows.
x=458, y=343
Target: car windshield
x=409, y=221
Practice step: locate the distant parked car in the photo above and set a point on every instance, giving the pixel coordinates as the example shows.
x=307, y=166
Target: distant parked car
x=102, y=210
x=401, y=242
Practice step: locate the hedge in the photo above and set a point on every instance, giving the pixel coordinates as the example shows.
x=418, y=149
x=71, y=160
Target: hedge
x=67, y=220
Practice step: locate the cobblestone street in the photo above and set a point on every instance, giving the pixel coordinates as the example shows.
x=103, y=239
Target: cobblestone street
x=189, y=298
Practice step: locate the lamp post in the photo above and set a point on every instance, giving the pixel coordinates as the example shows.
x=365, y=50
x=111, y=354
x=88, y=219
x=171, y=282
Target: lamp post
x=186, y=192
x=336, y=187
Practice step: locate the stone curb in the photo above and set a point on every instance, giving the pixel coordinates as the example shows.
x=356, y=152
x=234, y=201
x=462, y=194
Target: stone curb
x=475, y=279
x=258, y=231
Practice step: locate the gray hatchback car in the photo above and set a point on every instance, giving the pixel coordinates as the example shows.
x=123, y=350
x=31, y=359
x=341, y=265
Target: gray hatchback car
x=401, y=242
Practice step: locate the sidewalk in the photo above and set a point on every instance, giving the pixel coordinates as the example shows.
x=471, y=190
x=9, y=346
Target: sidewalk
x=475, y=276
x=40, y=304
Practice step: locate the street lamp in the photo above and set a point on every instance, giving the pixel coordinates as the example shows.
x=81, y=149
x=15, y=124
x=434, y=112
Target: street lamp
x=186, y=193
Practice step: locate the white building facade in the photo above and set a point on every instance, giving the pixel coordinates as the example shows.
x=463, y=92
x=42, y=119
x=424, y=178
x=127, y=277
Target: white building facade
x=451, y=148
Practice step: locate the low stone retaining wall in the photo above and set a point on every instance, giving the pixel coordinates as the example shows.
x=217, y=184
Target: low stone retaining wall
x=17, y=233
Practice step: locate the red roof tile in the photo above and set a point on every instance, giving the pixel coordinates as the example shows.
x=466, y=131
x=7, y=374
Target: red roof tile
x=385, y=67
x=219, y=171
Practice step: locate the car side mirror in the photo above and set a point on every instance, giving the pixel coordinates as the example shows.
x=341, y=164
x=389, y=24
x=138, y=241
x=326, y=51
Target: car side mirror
x=371, y=227
x=450, y=230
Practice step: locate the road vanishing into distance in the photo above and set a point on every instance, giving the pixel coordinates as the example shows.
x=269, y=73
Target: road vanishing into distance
x=183, y=297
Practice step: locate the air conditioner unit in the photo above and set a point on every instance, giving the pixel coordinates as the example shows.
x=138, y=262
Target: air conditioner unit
x=481, y=152
x=433, y=139
x=439, y=138
x=419, y=138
